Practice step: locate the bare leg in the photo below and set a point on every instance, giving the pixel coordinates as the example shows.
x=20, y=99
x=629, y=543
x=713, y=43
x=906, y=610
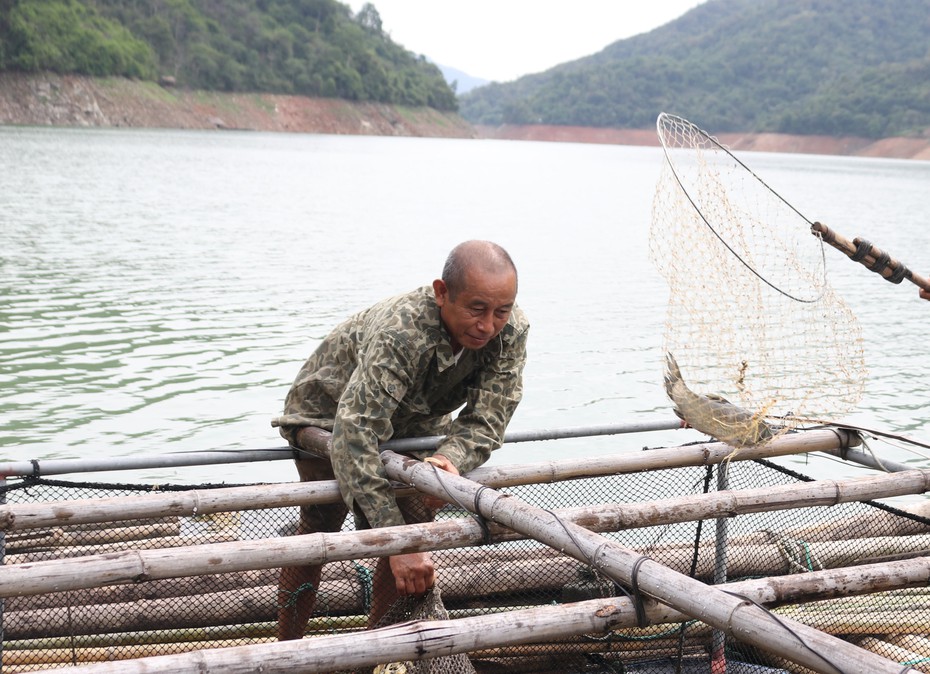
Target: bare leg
x=383, y=592
x=298, y=585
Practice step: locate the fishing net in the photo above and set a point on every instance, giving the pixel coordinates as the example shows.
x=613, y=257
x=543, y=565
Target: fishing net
x=751, y=315
x=428, y=607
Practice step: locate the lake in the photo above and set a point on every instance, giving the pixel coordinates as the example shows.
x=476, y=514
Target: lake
x=161, y=288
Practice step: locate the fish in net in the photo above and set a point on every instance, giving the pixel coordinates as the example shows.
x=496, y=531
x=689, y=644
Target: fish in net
x=751, y=320
x=427, y=607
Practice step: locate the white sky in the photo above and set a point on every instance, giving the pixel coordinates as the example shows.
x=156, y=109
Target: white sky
x=504, y=39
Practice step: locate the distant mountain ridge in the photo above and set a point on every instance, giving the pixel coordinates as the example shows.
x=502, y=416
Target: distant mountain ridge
x=461, y=82
x=858, y=67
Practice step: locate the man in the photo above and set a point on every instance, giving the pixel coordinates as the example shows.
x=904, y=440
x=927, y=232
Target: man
x=399, y=369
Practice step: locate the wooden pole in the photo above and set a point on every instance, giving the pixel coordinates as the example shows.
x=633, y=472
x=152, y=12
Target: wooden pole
x=208, y=501
x=876, y=260
x=733, y=615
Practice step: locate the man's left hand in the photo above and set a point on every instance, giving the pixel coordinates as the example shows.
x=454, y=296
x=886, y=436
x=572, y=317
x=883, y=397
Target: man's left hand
x=442, y=463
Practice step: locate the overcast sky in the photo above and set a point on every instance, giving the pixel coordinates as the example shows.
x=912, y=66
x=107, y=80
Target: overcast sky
x=504, y=39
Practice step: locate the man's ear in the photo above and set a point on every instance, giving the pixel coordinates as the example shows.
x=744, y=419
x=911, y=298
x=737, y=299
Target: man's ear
x=440, y=291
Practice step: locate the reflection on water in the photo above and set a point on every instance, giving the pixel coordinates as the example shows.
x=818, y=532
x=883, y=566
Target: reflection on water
x=161, y=288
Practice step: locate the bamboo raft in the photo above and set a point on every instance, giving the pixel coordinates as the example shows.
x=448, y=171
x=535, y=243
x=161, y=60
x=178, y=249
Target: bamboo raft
x=802, y=576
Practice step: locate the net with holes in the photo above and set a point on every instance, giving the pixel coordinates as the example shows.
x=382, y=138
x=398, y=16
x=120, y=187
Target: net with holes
x=751, y=315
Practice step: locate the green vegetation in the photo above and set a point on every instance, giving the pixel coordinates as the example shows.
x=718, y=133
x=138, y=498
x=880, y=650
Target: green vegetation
x=306, y=47
x=858, y=67
x=66, y=36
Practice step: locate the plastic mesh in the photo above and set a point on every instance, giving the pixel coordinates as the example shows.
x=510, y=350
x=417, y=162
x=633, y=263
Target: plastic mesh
x=160, y=617
x=751, y=315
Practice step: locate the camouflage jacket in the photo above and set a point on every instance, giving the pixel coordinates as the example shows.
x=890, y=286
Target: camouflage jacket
x=389, y=372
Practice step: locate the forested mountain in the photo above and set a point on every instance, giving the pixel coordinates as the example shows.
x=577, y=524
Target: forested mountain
x=315, y=48
x=857, y=67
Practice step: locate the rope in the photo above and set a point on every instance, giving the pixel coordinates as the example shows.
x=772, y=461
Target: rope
x=295, y=594
x=366, y=580
x=638, y=604
x=695, y=552
x=475, y=514
x=797, y=553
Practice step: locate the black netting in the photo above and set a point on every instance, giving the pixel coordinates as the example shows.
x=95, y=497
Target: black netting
x=161, y=617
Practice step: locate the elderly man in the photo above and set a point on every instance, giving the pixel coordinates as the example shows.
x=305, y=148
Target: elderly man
x=399, y=369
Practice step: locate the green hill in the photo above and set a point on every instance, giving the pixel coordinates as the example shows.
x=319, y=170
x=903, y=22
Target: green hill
x=857, y=67
x=315, y=48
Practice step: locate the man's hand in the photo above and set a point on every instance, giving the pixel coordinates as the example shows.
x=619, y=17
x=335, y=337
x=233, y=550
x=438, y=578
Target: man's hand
x=414, y=573
x=442, y=463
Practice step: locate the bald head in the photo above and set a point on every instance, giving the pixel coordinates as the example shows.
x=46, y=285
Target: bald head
x=482, y=257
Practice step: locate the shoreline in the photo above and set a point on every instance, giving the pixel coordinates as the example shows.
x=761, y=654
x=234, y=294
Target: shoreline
x=850, y=146
x=48, y=99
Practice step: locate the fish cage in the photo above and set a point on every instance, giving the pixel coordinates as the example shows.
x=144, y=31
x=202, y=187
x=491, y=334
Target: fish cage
x=616, y=563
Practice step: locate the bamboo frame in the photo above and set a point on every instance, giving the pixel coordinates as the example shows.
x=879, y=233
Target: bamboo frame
x=135, y=565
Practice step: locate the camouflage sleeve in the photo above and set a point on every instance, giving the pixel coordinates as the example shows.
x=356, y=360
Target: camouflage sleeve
x=479, y=427
x=363, y=419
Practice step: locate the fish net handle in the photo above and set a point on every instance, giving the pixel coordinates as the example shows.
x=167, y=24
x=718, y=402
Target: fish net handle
x=870, y=255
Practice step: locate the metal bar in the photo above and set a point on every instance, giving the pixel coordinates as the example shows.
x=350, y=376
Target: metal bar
x=63, y=466
x=2, y=563
x=869, y=460
x=721, y=527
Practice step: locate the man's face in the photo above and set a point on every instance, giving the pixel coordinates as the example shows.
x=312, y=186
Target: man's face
x=480, y=311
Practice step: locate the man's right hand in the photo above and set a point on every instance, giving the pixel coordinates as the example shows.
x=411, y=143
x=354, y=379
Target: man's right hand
x=413, y=573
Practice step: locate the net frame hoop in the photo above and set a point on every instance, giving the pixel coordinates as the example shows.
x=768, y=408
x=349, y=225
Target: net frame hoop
x=718, y=145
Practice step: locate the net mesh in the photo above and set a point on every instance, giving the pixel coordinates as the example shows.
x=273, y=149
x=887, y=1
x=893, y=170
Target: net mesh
x=161, y=617
x=751, y=315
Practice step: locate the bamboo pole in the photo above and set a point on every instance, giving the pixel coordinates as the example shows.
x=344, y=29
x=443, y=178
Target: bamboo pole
x=880, y=523
x=259, y=630
x=136, y=565
x=227, y=607
x=746, y=621
x=61, y=656
x=119, y=524
x=143, y=544
x=24, y=542
x=888, y=650
x=201, y=502
x=158, y=589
